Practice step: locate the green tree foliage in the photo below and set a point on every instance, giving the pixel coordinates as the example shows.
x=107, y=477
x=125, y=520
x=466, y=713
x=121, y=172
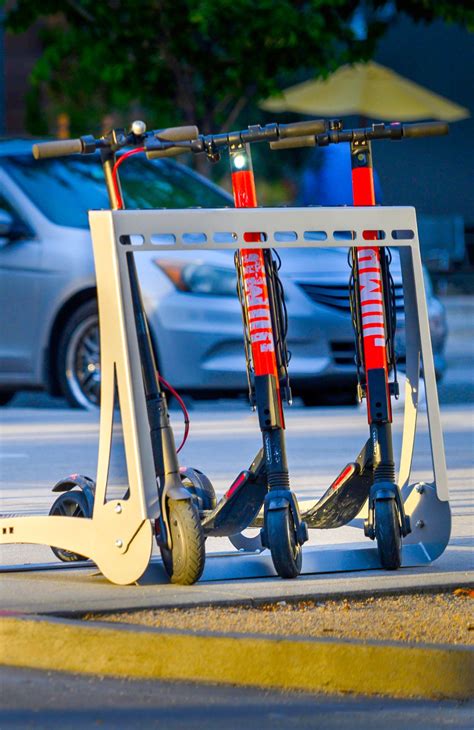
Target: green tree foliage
x=196, y=61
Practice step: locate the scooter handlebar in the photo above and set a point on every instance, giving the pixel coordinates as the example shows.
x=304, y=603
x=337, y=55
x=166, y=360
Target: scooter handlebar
x=178, y=134
x=425, y=129
x=172, y=134
x=169, y=152
x=393, y=131
x=308, y=140
x=302, y=129
x=58, y=148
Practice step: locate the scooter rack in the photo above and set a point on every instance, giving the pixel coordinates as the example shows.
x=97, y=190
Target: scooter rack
x=118, y=538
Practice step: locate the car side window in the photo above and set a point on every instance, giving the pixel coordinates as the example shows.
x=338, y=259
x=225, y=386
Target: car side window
x=22, y=224
x=5, y=205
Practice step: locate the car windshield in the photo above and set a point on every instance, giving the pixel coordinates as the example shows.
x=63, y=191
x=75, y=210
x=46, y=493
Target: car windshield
x=64, y=190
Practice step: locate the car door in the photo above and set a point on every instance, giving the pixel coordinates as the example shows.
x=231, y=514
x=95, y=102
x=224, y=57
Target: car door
x=19, y=291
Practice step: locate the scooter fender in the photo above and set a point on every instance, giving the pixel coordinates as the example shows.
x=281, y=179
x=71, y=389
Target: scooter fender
x=277, y=503
x=383, y=490
x=274, y=501
x=85, y=484
x=176, y=492
x=171, y=490
x=285, y=499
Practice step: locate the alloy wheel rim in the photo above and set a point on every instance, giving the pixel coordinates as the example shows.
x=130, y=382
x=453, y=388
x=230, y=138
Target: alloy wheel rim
x=83, y=363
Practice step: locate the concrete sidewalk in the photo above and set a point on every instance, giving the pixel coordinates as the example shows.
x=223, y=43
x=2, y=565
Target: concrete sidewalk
x=71, y=591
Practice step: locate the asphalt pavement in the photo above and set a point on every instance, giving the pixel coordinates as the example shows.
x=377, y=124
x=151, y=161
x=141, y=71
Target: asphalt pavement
x=55, y=700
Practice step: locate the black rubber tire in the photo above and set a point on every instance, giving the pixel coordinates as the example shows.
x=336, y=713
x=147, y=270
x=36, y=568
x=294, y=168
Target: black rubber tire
x=70, y=504
x=330, y=397
x=184, y=563
x=388, y=534
x=6, y=396
x=286, y=552
x=85, y=319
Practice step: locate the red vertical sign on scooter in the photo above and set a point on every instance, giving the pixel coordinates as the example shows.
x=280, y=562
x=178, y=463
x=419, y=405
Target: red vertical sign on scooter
x=253, y=266
x=370, y=273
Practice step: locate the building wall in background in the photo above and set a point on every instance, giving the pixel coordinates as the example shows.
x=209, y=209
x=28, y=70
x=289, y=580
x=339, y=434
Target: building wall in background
x=436, y=175
x=21, y=52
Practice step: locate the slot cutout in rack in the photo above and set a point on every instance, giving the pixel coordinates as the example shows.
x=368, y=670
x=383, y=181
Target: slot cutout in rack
x=163, y=239
x=225, y=237
x=133, y=239
x=315, y=236
x=285, y=236
x=373, y=235
x=192, y=238
x=344, y=235
x=403, y=234
x=255, y=236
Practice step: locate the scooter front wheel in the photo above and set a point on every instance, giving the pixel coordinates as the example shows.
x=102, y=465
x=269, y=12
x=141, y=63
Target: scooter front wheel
x=184, y=563
x=285, y=550
x=70, y=504
x=388, y=533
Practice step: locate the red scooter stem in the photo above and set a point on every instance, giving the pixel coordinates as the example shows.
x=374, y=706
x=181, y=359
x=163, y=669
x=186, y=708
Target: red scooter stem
x=256, y=297
x=369, y=279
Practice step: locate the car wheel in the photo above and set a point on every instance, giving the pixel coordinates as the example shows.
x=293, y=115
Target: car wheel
x=78, y=360
x=6, y=396
x=331, y=397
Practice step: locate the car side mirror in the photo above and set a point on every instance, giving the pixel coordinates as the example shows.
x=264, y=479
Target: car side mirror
x=12, y=229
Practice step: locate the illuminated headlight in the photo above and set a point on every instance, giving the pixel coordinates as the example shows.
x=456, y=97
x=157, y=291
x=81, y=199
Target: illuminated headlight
x=239, y=161
x=199, y=278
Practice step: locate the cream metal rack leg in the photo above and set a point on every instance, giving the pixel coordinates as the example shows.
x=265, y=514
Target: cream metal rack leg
x=118, y=537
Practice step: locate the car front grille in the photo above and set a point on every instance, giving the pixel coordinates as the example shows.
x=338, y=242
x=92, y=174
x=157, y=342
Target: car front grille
x=336, y=296
x=343, y=352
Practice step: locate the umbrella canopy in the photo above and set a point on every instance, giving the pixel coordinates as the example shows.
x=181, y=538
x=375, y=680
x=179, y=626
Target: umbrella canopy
x=369, y=90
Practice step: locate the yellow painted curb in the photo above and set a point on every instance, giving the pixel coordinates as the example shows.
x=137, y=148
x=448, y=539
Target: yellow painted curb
x=307, y=664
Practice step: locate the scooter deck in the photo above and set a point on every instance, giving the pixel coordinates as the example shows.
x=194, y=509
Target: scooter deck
x=346, y=496
x=241, y=503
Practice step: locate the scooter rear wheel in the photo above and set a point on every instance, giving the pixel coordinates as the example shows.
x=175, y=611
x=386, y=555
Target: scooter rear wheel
x=70, y=504
x=184, y=563
x=388, y=533
x=285, y=550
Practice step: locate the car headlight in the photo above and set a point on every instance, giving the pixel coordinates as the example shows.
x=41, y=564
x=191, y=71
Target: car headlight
x=199, y=278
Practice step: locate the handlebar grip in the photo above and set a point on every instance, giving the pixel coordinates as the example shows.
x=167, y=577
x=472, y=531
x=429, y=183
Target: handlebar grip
x=425, y=129
x=170, y=152
x=173, y=134
x=59, y=148
x=308, y=140
x=301, y=129
x=178, y=134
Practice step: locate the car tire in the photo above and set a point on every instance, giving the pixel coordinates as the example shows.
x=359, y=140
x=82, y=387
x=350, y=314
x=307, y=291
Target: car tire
x=330, y=397
x=78, y=358
x=6, y=396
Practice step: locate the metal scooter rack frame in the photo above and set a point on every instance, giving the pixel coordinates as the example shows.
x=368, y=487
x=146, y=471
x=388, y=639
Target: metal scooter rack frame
x=118, y=537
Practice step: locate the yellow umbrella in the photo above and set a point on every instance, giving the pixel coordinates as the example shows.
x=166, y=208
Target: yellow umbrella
x=369, y=90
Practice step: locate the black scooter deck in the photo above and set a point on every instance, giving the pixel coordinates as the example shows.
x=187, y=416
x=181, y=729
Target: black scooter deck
x=242, y=502
x=344, y=499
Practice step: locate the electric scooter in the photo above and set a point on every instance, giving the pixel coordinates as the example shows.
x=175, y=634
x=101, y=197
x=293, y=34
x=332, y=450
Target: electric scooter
x=267, y=481
x=264, y=316
x=374, y=320
x=178, y=529
x=182, y=492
